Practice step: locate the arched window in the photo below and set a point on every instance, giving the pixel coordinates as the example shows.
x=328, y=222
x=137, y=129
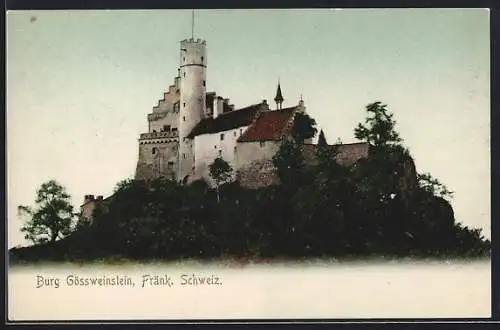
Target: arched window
x=153, y=151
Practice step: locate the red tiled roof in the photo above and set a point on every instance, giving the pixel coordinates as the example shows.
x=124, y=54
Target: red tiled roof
x=270, y=125
x=226, y=121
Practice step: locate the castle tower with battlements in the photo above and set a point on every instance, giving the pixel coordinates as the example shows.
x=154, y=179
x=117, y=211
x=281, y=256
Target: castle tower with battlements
x=193, y=59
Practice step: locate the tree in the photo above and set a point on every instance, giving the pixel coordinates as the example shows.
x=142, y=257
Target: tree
x=304, y=127
x=220, y=172
x=321, y=139
x=52, y=218
x=123, y=184
x=433, y=186
x=379, y=130
x=288, y=161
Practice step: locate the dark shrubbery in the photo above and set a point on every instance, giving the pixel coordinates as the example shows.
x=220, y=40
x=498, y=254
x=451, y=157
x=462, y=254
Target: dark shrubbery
x=334, y=211
x=378, y=207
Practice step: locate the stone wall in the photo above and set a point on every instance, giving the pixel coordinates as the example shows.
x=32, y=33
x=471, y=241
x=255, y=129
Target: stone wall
x=258, y=174
x=158, y=121
x=255, y=167
x=247, y=153
x=89, y=205
x=408, y=179
x=347, y=154
x=157, y=158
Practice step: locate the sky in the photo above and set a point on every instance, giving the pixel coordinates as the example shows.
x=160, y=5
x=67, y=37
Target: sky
x=80, y=84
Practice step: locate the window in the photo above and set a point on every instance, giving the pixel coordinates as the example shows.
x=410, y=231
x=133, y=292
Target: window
x=262, y=143
x=183, y=59
x=222, y=137
x=184, y=75
x=202, y=59
x=166, y=128
x=241, y=131
x=215, y=147
x=174, y=130
x=220, y=153
x=234, y=133
x=184, y=156
x=234, y=149
x=183, y=118
x=170, y=165
x=153, y=151
x=204, y=83
x=183, y=104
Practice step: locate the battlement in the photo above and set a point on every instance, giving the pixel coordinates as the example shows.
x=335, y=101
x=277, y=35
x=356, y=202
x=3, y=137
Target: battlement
x=91, y=198
x=156, y=115
x=156, y=135
x=193, y=41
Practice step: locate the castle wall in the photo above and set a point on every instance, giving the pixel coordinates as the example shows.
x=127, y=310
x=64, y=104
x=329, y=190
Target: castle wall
x=158, y=121
x=250, y=152
x=87, y=209
x=261, y=173
x=347, y=154
x=90, y=204
x=254, y=163
x=207, y=147
x=157, y=156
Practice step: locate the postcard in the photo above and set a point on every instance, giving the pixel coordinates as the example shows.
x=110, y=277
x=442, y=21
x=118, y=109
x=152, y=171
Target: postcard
x=305, y=164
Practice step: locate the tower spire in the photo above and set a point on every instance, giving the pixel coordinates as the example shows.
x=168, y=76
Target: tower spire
x=279, y=97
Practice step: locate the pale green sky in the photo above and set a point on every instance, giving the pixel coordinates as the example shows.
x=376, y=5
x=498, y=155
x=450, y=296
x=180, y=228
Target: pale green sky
x=79, y=86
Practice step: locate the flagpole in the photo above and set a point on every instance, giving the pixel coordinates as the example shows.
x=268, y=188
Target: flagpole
x=192, y=24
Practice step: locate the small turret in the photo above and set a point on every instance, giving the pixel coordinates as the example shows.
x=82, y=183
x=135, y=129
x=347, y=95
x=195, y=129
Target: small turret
x=279, y=97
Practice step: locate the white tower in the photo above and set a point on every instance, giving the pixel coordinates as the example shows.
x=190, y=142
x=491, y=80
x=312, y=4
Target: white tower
x=192, y=105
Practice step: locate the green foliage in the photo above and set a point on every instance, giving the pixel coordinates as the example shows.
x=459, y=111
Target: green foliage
x=123, y=184
x=220, y=172
x=52, y=218
x=328, y=215
x=322, y=139
x=304, y=127
x=379, y=129
x=288, y=161
x=326, y=210
x=433, y=186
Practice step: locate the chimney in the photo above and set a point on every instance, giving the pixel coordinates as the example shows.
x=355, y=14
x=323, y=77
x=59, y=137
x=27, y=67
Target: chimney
x=219, y=107
x=264, y=105
x=231, y=107
x=225, y=106
x=88, y=198
x=100, y=198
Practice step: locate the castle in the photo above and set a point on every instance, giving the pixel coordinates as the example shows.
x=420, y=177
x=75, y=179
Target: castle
x=189, y=128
